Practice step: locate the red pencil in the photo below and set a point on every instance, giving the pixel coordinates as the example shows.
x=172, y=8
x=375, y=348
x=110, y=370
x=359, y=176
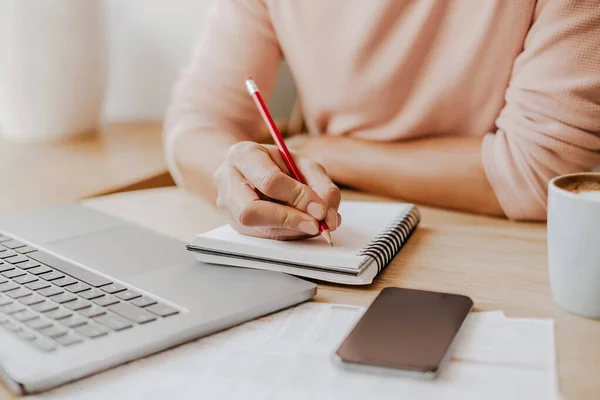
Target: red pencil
x=283, y=150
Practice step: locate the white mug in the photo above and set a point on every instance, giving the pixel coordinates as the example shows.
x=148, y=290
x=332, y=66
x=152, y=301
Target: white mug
x=53, y=69
x=574, y=243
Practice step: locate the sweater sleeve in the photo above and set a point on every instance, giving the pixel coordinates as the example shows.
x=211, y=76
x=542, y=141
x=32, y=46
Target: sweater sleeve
x=210, y=96
x=550, y=124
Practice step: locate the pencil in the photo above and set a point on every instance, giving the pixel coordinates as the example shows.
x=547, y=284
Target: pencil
x=283, y=150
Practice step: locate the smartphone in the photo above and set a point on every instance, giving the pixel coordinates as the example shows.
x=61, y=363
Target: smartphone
x=405, y=331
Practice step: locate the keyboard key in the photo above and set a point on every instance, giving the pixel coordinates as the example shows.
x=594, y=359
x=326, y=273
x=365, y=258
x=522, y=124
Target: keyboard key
x=59, y=313
x=4, y=238
x=4, y=300
x=13, y=326
x=91, y=294
x=26, y=335
x=66, y=281
x=106, y=300
x=28, y=265
x=18, y=293
x=128, y=295
x=92, y=330
x=13, y=273
x=133, y=313
x=12, y=308
x=27, y=278
x=73, y=321
x=13, y=244
x=162, y=310
x=8, y=253
x=39, y=323
x=113, y=322
x=54, y=331
x=68, y=340
x=45, y=306
x=25, y=250
x=50, y=291
x=66, y=267
x=42, y=269
x=6, y=267
x=78, y=304
x=19, y=258
x=63, y=298
x=143, y=301
x=44, y=344
x=4, y=319
x=3, y=279
x=52, y=276
x=5, y=287
x=37, y=285
x=77, y=287
x=113, y=288
x=92, y=312
x=24, y=316
x=31, y=300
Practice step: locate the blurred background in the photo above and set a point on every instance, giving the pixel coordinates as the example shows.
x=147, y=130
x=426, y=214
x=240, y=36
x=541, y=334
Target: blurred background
x=148, y=42
x=84, y=85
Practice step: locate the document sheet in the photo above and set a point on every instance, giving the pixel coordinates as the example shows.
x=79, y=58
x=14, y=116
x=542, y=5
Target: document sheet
x=288, y=355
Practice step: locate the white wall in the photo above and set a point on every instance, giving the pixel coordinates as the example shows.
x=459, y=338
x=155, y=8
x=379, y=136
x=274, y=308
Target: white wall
x=149, y=41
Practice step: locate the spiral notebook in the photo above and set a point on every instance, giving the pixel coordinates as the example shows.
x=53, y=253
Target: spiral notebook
x=370, y=236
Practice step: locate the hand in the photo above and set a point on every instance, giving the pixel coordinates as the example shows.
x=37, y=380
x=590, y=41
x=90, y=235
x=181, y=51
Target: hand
x=298, y=143
x=314, y=147
x=261, y=199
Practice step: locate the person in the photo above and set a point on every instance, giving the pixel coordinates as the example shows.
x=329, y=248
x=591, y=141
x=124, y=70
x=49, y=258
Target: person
x=466, y=104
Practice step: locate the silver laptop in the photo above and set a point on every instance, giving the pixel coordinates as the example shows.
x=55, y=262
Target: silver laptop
x=81, y=291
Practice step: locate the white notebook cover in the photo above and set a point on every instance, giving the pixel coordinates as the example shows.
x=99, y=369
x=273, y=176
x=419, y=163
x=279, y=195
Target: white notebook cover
x=362, y=223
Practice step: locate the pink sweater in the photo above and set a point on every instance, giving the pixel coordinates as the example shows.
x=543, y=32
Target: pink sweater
x=523, y=74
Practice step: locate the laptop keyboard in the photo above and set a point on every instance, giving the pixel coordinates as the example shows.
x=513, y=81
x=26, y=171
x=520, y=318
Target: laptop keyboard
x=52, y=303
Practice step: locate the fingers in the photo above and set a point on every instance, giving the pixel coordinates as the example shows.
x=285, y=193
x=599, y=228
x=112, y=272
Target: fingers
x=266, y=214
x=243, y=205
x=318, y=180
x=265, y=174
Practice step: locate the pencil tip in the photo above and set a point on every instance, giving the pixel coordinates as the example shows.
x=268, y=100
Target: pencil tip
x=327, y=237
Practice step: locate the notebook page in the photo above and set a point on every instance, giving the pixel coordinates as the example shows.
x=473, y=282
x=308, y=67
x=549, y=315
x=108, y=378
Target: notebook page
x=361, y=223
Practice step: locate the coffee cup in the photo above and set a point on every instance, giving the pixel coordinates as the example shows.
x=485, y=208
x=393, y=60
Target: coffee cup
x=574, y=242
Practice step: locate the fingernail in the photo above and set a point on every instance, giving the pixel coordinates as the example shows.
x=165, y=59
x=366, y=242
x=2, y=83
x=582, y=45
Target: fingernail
x=339, y=219
x=332, y=218
x=316, y=210
x=308, y=227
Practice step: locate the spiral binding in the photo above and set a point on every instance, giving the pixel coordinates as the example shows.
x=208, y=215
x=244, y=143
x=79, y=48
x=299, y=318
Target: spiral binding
x=389, y=242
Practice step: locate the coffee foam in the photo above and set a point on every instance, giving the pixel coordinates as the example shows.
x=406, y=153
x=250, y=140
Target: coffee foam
x=583, y=186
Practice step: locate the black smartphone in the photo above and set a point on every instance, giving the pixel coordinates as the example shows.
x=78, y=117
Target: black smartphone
x=405, y=331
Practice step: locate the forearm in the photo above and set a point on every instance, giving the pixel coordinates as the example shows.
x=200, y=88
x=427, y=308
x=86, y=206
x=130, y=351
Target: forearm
x=445, y=171
x=198, y=155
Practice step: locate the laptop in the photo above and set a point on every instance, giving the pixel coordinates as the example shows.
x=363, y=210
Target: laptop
x=82, y=291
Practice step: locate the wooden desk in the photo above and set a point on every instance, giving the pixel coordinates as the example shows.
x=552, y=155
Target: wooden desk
x=118, y=157
x=500, y=264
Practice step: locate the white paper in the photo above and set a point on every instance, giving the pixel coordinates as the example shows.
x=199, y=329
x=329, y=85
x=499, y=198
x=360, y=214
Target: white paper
x=288, y=356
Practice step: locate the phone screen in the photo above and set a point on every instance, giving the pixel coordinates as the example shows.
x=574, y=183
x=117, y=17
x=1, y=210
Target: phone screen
x=405, y=329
